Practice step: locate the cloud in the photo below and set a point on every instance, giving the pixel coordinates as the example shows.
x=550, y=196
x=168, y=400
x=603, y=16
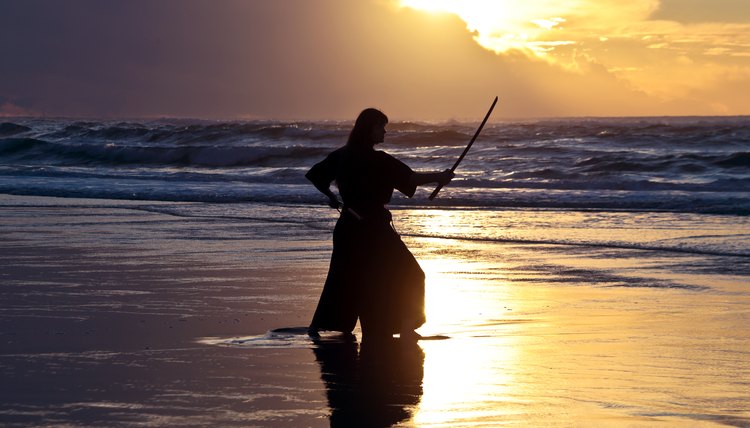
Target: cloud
x=535, y=27
x=10, y=108
x=635, y=41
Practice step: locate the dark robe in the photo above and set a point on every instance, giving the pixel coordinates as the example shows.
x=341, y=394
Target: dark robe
x=372, y=274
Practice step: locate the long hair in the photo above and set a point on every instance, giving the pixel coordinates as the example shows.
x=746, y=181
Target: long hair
x=360, y=137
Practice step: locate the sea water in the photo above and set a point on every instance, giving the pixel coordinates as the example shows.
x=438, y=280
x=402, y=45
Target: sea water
x=686, y=165
x=681, y=173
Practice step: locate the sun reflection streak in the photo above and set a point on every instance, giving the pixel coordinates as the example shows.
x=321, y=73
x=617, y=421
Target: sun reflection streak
x=469, y=376
x=449, y=223
x=462, y=378
x=480, y=374
x=453, y=303
x=539, y=336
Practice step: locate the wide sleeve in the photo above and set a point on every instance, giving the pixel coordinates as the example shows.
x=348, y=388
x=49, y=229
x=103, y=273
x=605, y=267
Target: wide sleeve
x=400, y=174
x=323, y=172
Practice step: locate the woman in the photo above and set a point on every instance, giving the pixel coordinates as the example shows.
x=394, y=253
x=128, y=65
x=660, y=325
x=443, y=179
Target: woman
x=372, y=274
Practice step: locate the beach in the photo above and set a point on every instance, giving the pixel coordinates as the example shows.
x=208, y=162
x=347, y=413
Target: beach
x=572, y=178
x=128, y=313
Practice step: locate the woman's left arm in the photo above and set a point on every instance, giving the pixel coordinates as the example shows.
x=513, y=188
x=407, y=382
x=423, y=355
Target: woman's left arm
x=442, y=178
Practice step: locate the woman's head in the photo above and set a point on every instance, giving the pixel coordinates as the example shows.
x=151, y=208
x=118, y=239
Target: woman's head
x=369, y=129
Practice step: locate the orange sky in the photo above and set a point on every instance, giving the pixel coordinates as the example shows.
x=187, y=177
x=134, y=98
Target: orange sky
x=686, y=56
x=415, y=59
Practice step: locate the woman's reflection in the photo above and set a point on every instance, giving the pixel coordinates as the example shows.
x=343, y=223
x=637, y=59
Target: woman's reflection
x=379, y=384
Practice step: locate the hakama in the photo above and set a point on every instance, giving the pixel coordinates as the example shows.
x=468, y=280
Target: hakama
x=372, y=276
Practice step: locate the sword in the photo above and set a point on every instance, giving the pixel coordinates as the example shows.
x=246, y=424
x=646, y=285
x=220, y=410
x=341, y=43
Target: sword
x=466, y=150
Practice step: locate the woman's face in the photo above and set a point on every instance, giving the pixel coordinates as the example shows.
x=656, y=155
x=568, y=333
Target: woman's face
x=377, y=135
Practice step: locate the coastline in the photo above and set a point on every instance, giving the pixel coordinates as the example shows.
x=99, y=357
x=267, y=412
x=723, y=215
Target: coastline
x=106, y=311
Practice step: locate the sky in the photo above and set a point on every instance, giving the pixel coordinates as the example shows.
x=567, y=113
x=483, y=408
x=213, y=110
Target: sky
x=414, y=59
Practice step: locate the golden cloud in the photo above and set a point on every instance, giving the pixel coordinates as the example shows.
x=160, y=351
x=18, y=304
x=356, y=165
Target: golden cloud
x=664, y=58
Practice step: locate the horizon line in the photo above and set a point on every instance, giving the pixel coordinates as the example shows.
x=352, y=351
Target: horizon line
x=505, y=118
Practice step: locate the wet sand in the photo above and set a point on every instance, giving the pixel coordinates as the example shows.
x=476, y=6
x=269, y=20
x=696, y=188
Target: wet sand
x=116, y=315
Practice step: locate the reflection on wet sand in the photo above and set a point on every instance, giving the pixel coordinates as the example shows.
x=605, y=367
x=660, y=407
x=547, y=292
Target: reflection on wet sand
x=579, y=337
x=372, y=384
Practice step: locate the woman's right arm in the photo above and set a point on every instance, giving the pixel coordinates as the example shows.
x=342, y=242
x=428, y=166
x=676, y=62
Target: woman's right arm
x=321, y=175
x=333, y=200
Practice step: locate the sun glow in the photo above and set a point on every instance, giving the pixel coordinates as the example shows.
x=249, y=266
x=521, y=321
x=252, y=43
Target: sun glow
x=502, y=26
x=538, y=27
x=632, y=42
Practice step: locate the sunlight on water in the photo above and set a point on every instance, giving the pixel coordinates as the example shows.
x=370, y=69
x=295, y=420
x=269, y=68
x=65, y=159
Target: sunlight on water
x=450, y=223
x=454, y=301
x=604, y=332
x=462, y=379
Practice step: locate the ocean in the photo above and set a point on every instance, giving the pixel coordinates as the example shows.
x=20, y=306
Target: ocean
x=688, y=165
x=680, y=172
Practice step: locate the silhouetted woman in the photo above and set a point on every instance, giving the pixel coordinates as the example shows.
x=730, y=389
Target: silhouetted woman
x=372, y=274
